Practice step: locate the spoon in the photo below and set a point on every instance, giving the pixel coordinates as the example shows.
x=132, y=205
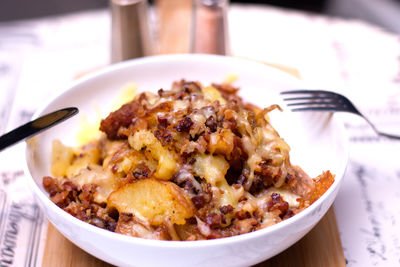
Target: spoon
x=36, y=126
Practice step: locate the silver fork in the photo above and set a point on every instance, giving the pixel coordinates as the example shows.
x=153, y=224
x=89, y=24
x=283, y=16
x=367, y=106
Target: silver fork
x=319, y=100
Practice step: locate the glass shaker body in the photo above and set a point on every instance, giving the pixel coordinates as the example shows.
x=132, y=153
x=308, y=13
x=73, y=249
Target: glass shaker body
x=209, y=27
x=130, y=33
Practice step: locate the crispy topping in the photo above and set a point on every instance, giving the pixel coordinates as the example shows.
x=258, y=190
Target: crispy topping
x=191, y=163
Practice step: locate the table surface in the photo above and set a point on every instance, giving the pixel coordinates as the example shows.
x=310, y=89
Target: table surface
x=38, y=57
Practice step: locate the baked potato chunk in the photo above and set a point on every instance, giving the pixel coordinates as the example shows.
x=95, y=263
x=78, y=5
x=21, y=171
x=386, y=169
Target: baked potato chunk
x=153, y=200
x=87, y=155
x=61, y=157
x=167, y=165
x=211, y=168
x=212, y=94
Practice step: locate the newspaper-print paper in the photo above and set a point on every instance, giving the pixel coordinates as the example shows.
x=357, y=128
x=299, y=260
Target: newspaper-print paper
x=39, y=57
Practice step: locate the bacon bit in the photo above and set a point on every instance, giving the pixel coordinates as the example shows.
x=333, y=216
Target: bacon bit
x=277, y=203
x=69, y=186
x=192, y=161
x=214, y=220
x=266, y=169
x=199, y=201
x=211, y=123
x=86, y=196
x=88, y=187
x=288, y=214
x=162, y=122
x=50, y=185
x=191, y=220
x=114, y=168
x=257, y=185
x=241, y=215
x=290, y=180
x=188, y=185
x=238, y=157
x=60, y=199
x=226, y=209
x=164, y=136
x=120, y=118
x=184, y=125
x=275, y=199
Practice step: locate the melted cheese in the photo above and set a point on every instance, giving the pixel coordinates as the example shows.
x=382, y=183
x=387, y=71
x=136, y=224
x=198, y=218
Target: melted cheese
x=211, y=168
x=105, y=181
x=212, y=94
x=167, y=165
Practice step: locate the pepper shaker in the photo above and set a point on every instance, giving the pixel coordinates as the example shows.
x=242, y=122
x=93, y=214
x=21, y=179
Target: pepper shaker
x=209, y=27
x=130, y=33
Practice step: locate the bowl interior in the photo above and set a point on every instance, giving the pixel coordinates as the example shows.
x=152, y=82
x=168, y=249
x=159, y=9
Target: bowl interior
x=317, y=140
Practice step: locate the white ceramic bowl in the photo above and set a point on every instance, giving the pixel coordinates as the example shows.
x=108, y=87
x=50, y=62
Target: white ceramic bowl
x=318, y=143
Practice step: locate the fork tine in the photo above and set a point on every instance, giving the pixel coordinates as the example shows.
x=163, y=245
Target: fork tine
x=308, y=98
x=331, y=104
x=320, y=109
x=312, y=95
x=304, y=91
x=317, y=99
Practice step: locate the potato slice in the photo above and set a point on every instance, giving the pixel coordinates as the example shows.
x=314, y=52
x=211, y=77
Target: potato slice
x=221, y=142
x=88, y=154
x=61, y=157
x=153, y=200
x=212, y=94
x=167, y=165
x=211, y=168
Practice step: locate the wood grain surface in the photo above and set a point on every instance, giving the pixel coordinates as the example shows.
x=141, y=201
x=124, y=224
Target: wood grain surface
x=320, y=247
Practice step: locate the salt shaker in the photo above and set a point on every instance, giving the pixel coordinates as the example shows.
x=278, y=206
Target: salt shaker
x=130, y=34
x=209, y=27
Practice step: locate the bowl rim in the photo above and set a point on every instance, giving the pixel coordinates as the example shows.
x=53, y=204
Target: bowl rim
x=181, y=244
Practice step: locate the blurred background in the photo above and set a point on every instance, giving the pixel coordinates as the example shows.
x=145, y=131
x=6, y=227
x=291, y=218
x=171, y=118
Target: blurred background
x=384, y=13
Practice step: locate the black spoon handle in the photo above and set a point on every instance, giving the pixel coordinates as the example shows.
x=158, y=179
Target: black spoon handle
x=36, y=126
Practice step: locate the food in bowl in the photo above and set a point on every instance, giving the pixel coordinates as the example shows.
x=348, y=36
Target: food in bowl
x=190, y=163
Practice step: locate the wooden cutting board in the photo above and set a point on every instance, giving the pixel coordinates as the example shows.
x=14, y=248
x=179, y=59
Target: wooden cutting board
x=320, y=247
